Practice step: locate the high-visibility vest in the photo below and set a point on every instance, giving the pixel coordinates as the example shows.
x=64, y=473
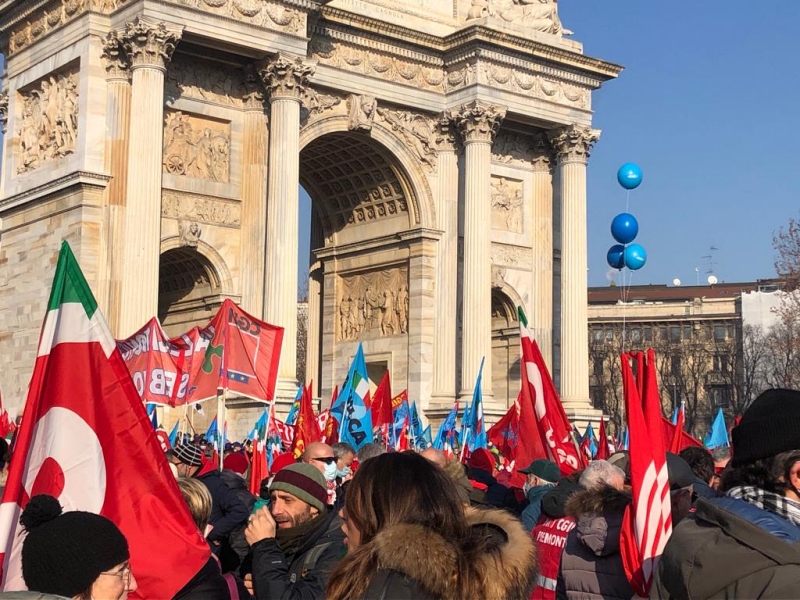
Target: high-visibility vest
x=550, y=536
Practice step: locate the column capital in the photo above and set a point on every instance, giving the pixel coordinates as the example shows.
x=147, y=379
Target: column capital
x=287, y=75
x=543, y=156
x=445, y=132
x=573, y=143
x=118, y=67
x=4, y=111
x=479, y=122
x=149, y=44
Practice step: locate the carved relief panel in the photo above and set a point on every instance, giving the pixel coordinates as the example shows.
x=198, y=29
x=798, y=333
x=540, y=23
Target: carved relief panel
x=507, y=204
x=192, y=209
x=196, y=146
x=372, y=305
x=189, y=77
x=48, y=128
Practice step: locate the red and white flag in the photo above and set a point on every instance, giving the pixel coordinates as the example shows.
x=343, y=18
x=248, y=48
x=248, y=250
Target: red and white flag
x=86, y=440
x=648, y=519
x=539, y=390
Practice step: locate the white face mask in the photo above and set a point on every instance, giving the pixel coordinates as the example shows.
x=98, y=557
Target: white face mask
x=330, y=471
x=526, y=487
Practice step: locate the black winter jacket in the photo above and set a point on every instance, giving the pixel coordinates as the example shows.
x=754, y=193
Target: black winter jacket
x=301, y=575
x=210, y=584
x=227, y=511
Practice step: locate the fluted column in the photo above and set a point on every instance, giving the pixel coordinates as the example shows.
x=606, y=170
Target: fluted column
x=286, y=78
x=118, y=113
x=4, y=126
x=542, y=317
x=444, y=349
x=572, y=146
x=149, y=47
x=314, y=334
x=254, y=195
x=477, y=123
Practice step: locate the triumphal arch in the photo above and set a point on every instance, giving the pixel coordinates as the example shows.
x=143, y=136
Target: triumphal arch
x=444, y=144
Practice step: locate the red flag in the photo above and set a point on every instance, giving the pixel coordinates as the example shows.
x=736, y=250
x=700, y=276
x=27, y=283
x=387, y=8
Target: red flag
x=648, y=521
x=504, y=435
x=686, y=440
x=399, y=399
x=331, y=433
x=677, y=437
x=382, y=403
x=306, y=429
x=86, y=440
x=235, y=351
x=258, y=467
x=603, y=451
x=539, y=391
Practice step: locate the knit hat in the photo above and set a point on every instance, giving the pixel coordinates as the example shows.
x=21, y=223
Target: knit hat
x=770, y=426
x=543, y=469
x=303, y=481
x=482, y=459
x=64, y=553
x=236, y=462
x=189, y=454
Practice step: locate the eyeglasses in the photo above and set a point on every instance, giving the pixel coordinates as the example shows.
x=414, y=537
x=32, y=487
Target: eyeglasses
x=326, y=459
x=124, y=573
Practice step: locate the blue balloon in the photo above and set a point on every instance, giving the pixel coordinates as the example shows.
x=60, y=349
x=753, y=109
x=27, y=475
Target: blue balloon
x=629, y=176
x=624, y=228
x=635, y=257
x=616, y=256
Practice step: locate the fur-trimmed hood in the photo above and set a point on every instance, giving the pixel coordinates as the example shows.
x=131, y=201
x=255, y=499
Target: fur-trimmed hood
x=499, y=552
x=597, y=502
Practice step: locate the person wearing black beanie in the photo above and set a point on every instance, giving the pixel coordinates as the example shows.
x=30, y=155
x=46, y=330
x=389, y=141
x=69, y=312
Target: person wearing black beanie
x=747, y=543
x=74, y=554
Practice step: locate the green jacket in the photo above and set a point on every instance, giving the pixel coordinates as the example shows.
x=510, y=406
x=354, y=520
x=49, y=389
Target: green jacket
x=730, y=549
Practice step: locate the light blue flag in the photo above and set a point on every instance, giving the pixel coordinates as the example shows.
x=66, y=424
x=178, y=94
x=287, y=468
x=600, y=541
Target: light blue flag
x=173, y=435
x=626, y=445
x=357, y=367
x=477, y=424
x=212, y=432
x=592, y=439
x=151, y=408
x=718, y=436
x=260, y=426
x=416, y=428
x=446, y=428
x=356, y=419
x=426, y=438
x=154, y=420
x=400, y=416
x=464, y=434
x=675, y=415
x=291, y=418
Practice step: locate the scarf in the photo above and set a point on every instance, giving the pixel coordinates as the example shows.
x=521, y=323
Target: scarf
x=778, y=505
x=289, y=540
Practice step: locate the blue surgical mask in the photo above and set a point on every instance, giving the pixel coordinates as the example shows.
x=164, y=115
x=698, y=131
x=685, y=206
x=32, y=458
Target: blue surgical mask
x=342, y=473
x=330, y=471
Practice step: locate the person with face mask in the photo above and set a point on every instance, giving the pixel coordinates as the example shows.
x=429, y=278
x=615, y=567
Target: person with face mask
x=296, y=541
x=321, y=457
x=540, y=477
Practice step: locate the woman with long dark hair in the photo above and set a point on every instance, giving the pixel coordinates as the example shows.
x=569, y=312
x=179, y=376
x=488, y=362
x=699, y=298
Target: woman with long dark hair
x=409, y=537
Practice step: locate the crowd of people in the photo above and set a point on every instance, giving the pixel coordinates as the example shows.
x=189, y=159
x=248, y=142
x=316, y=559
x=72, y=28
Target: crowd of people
x=372, y=524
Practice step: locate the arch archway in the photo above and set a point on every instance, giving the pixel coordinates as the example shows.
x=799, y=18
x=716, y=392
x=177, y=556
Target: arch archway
x=506, y=351
x=190, y=289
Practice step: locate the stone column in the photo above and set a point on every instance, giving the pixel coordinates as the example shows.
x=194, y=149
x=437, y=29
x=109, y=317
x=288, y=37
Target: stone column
x=444, y=349
x=149, y=47
x=286, y=78
x=118, y=113
x=542, y=317
x=477, y=123
x=4, y=127
x=572, y=146
x=254, y=195
x=314, y=334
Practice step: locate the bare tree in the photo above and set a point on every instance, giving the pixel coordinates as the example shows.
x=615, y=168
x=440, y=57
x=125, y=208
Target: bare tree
x=753, y=365
x=302, y=340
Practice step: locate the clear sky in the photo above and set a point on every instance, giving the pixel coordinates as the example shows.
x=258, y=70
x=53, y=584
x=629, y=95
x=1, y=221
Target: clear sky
x=707, y=106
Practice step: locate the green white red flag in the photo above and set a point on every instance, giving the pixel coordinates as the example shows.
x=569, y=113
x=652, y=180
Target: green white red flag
x=85, y=439
x=539, y=391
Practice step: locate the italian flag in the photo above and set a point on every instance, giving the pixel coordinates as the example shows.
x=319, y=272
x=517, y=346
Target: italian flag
x=86, y=440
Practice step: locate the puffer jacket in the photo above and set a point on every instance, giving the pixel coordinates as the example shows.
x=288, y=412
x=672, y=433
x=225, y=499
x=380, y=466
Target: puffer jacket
x=730, y=549
x=591, y=565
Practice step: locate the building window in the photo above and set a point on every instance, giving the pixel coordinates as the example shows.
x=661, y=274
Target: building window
x=675, y=364
x=674, y=334
x=662, y=334
x=687, y=332
x=597, y=335
x=636, y=335
x=609, y=335
x=648, y=334
x=719, y=395
x=719, y=333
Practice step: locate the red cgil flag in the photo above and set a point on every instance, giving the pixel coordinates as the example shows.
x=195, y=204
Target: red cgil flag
x=603, y=451
x=86, y=440
x=647, y=524
x=539, y=392
x=382, y=403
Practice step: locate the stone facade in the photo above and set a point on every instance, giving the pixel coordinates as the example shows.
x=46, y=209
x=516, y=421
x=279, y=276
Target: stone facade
x=166, y=142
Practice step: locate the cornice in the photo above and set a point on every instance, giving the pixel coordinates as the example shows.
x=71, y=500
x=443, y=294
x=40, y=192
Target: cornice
x=84, y=178
x=382, y=242
x=23, y=10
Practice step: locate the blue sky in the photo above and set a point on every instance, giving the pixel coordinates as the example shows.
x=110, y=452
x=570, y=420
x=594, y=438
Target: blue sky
x=706, y=106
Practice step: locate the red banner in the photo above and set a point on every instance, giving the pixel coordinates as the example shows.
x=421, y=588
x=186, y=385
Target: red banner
x=234, y=352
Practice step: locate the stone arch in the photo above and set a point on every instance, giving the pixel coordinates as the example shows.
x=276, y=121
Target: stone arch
x=505, y=344
x=412, y=176
x=193, y=282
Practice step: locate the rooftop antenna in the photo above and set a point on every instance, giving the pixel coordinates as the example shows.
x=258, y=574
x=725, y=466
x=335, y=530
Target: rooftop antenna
x=709, y=258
